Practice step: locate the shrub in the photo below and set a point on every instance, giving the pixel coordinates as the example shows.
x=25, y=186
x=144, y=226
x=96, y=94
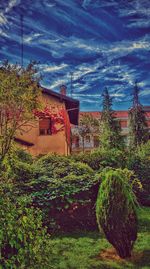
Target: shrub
x=60, y=166
x=18, y=165
x=139, y=162
x=116, y=210
x=23, y=155
x=23, y=240
x=101, y=158
x=66, y=192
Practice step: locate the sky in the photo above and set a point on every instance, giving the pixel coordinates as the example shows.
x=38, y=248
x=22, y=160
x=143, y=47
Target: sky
x=99, y=43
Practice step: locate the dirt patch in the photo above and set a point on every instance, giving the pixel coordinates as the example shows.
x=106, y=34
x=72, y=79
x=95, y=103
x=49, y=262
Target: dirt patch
x=111, y=254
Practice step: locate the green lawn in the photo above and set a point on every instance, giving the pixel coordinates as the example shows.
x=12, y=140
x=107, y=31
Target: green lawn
x=92, y=251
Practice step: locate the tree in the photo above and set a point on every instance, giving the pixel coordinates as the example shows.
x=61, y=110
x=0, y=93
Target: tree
x=88, y=125
x=19, y=96
x=138, y=129
x=116, y=210
x=110, y=135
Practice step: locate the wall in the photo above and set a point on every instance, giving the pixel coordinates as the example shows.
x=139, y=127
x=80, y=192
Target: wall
x=43, y=144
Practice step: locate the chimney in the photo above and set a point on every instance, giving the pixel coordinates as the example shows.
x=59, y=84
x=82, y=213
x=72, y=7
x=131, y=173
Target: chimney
x=63, y=89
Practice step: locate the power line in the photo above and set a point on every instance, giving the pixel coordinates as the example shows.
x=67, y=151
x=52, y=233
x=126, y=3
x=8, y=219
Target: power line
x=136, y=95
x=21, y=40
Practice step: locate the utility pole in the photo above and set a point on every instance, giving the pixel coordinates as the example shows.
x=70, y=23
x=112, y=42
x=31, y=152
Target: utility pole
x=21, y=40
x=71, y=83
x=135, y=95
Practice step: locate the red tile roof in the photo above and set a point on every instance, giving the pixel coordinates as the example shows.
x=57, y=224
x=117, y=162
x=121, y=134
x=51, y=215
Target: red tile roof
x=118, y=114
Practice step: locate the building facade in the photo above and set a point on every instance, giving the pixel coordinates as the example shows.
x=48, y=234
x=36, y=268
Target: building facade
x=40, y=137
x=91, y=141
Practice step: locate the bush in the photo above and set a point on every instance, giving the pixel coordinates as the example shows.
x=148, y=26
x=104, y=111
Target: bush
x=116, y=210
x=66, y=192
x=23, y=240
x=139, y=162
x=99, y=159
x=23, y=155
x=18, y=165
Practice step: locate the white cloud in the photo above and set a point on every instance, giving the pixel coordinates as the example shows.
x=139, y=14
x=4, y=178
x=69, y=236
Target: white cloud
x=90, y=101
x=11, y=4
x=86, y=95
x=57, y=84
x=145, y=92
x=3, y=19
x=54, y=68
x=117, y=94
x=30, y=38
x=4, y=34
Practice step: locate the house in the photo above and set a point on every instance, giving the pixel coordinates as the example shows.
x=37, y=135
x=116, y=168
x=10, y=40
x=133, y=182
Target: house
x=46, y=136
x=92, y=140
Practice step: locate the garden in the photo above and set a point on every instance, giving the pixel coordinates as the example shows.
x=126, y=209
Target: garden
x=85, y=211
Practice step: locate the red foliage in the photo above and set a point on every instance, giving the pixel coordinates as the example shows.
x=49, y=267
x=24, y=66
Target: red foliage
x=59, y=119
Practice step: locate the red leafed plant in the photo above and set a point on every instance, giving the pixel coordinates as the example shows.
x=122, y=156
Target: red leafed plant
x=56, y=114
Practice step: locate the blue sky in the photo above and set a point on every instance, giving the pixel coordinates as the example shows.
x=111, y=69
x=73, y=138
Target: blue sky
x=104, y=43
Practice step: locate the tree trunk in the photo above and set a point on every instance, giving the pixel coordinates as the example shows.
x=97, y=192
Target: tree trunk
x=83, y=144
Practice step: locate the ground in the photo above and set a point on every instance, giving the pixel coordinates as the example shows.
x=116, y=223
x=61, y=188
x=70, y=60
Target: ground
x=92, y=251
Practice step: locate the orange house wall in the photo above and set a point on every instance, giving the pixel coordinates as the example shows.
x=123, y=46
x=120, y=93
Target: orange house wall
x=44, y=144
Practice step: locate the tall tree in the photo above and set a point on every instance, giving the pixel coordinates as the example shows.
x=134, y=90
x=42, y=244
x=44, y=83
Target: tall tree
x=110, y=136
x=138, y=129
x=19, y=93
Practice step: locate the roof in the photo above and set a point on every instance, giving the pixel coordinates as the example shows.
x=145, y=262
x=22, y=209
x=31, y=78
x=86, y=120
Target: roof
x=23, y=142
x=97, y=114
x=72, y=105
x=146, y=108
x=122, y=114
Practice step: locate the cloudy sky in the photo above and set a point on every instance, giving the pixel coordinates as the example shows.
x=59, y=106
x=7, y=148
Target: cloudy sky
x=102, y=43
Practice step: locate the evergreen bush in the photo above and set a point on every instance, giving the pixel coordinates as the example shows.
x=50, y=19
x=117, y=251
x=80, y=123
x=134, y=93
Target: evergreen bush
x=116, y=210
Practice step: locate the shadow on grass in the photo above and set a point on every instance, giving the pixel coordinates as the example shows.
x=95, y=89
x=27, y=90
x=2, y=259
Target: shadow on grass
x=80, y=234
x=144, y=260
x=144, y=219
x=144, y=225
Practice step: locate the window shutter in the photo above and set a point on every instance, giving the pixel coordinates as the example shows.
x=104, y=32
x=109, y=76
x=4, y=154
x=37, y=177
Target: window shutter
x=45, y=123
x=45, y=126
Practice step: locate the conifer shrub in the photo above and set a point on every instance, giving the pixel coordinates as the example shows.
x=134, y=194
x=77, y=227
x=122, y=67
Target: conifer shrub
x=116, y=210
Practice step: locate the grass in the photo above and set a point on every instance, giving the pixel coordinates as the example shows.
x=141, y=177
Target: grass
x=92, y=251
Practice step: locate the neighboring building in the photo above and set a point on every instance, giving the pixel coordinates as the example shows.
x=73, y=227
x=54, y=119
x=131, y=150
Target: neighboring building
x=38, y=138
x=92, y=140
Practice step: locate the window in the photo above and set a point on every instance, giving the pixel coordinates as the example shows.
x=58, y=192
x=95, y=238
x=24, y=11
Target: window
x=96, y=141
x=87, y=139
x=125, y=139
x=45, y=126
x=123, y=123
x=76, y=141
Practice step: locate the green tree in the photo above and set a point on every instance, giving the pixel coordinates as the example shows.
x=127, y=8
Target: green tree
x=138, y=129
x=19, y=93
x=110, y=135
x=88, y=126
x=116, y=210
